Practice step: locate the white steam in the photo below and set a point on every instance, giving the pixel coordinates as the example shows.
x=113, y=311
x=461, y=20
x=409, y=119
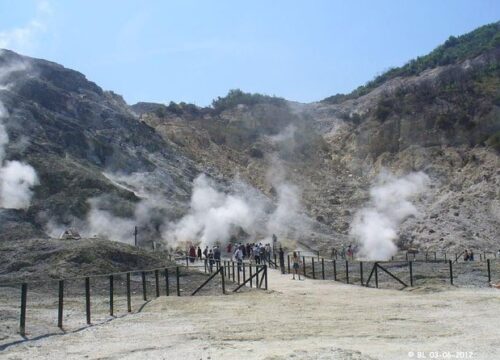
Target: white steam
x=213, y=216
x=16, y=178
x=375, y=227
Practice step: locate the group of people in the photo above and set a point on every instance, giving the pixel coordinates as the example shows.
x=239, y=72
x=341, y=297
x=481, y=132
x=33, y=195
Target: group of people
x=468, y=255
x=252, y=251
x=257, y=252
x=345, y=252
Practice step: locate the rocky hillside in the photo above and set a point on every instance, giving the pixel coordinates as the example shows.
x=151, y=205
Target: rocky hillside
x=439, y=114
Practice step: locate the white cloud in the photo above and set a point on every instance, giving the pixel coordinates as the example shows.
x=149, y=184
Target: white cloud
x=24, y=39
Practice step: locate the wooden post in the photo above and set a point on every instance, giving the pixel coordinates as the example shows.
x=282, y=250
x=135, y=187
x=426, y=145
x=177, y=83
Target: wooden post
x=347, y=271
x=233, y=269
x=265, y=278
x=335, y=270
x=167, y=285
x=61, y=304
x=111, y=291
x=451, y=272
x=250, y=274
x=314, y=273
x=238, y=268
x=144, y=289
x=177, y=275
x=361, y=272
x=489, y=270
x=87, y=298
x=22, y=320
x=244, y=275
x=221, y=270
x=288, y=259
x=376, y=275
x=157, y=283
x=410, y=265
x=304, y=265
x=129, y=302
x=323, y=268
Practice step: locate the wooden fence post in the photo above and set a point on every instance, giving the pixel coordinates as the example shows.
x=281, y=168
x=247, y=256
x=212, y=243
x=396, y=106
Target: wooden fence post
x=304, y=265
x=61, y=304
x=314, y=272
x=335, y=270
x=376, y=275
x=451, y=271
x=157, y=283
x=288, y=260
x=489, y=270
x=167, y=285
x=323, y=268
x=223, y=280
x=111, y=293
x=129, y=302
x=144, y=288
x=361, y=272
x=410, y=265
x=22, y=320
x=177, y=275
x=87, y=299
x=347, y=271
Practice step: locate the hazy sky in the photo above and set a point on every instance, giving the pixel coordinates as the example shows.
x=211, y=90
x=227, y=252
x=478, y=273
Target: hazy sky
x=194, y=51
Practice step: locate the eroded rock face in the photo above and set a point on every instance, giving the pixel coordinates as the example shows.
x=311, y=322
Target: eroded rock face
x=74, y=133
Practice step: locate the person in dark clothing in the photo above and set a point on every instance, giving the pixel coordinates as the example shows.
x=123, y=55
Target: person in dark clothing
x=199, y=253
x=205, y=252
x=211, y=260
x=282, y=260
x=217, y=255
x=192, y=254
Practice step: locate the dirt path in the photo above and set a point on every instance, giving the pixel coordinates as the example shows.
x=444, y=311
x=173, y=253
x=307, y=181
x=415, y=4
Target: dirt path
x=309, y=319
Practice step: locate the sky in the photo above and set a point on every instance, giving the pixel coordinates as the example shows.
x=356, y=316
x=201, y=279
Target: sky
x=195, y=51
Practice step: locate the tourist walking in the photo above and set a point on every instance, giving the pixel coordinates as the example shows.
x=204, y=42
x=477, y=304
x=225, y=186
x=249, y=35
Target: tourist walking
x=296, y=265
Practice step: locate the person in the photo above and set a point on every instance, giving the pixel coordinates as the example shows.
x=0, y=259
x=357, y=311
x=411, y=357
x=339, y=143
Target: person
x=211, y=260
x=282, y=260
x=334, y=253
x=471, y=255
x=349, y=252
x=229, y=248
x=466, y=255
x=256, y=253
x=296, y=265
x=205, y=252
x=217, y=255
x=199, y=253
x=238, y=256
x=342, y=253
x=192, y=254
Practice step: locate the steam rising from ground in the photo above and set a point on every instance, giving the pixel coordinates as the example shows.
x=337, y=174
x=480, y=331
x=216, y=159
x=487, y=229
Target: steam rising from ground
x=16, y=178
x=375, y=227
x=214, y=216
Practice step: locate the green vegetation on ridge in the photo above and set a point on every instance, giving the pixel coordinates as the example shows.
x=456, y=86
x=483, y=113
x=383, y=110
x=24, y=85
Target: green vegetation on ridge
x=454, y=50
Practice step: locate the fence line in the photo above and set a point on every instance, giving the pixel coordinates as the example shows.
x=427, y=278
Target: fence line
x=378, y=265
x=221, y=270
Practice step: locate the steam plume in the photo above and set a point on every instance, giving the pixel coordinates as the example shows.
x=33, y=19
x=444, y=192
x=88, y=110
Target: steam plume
x=375, y=226
x=16, y=178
